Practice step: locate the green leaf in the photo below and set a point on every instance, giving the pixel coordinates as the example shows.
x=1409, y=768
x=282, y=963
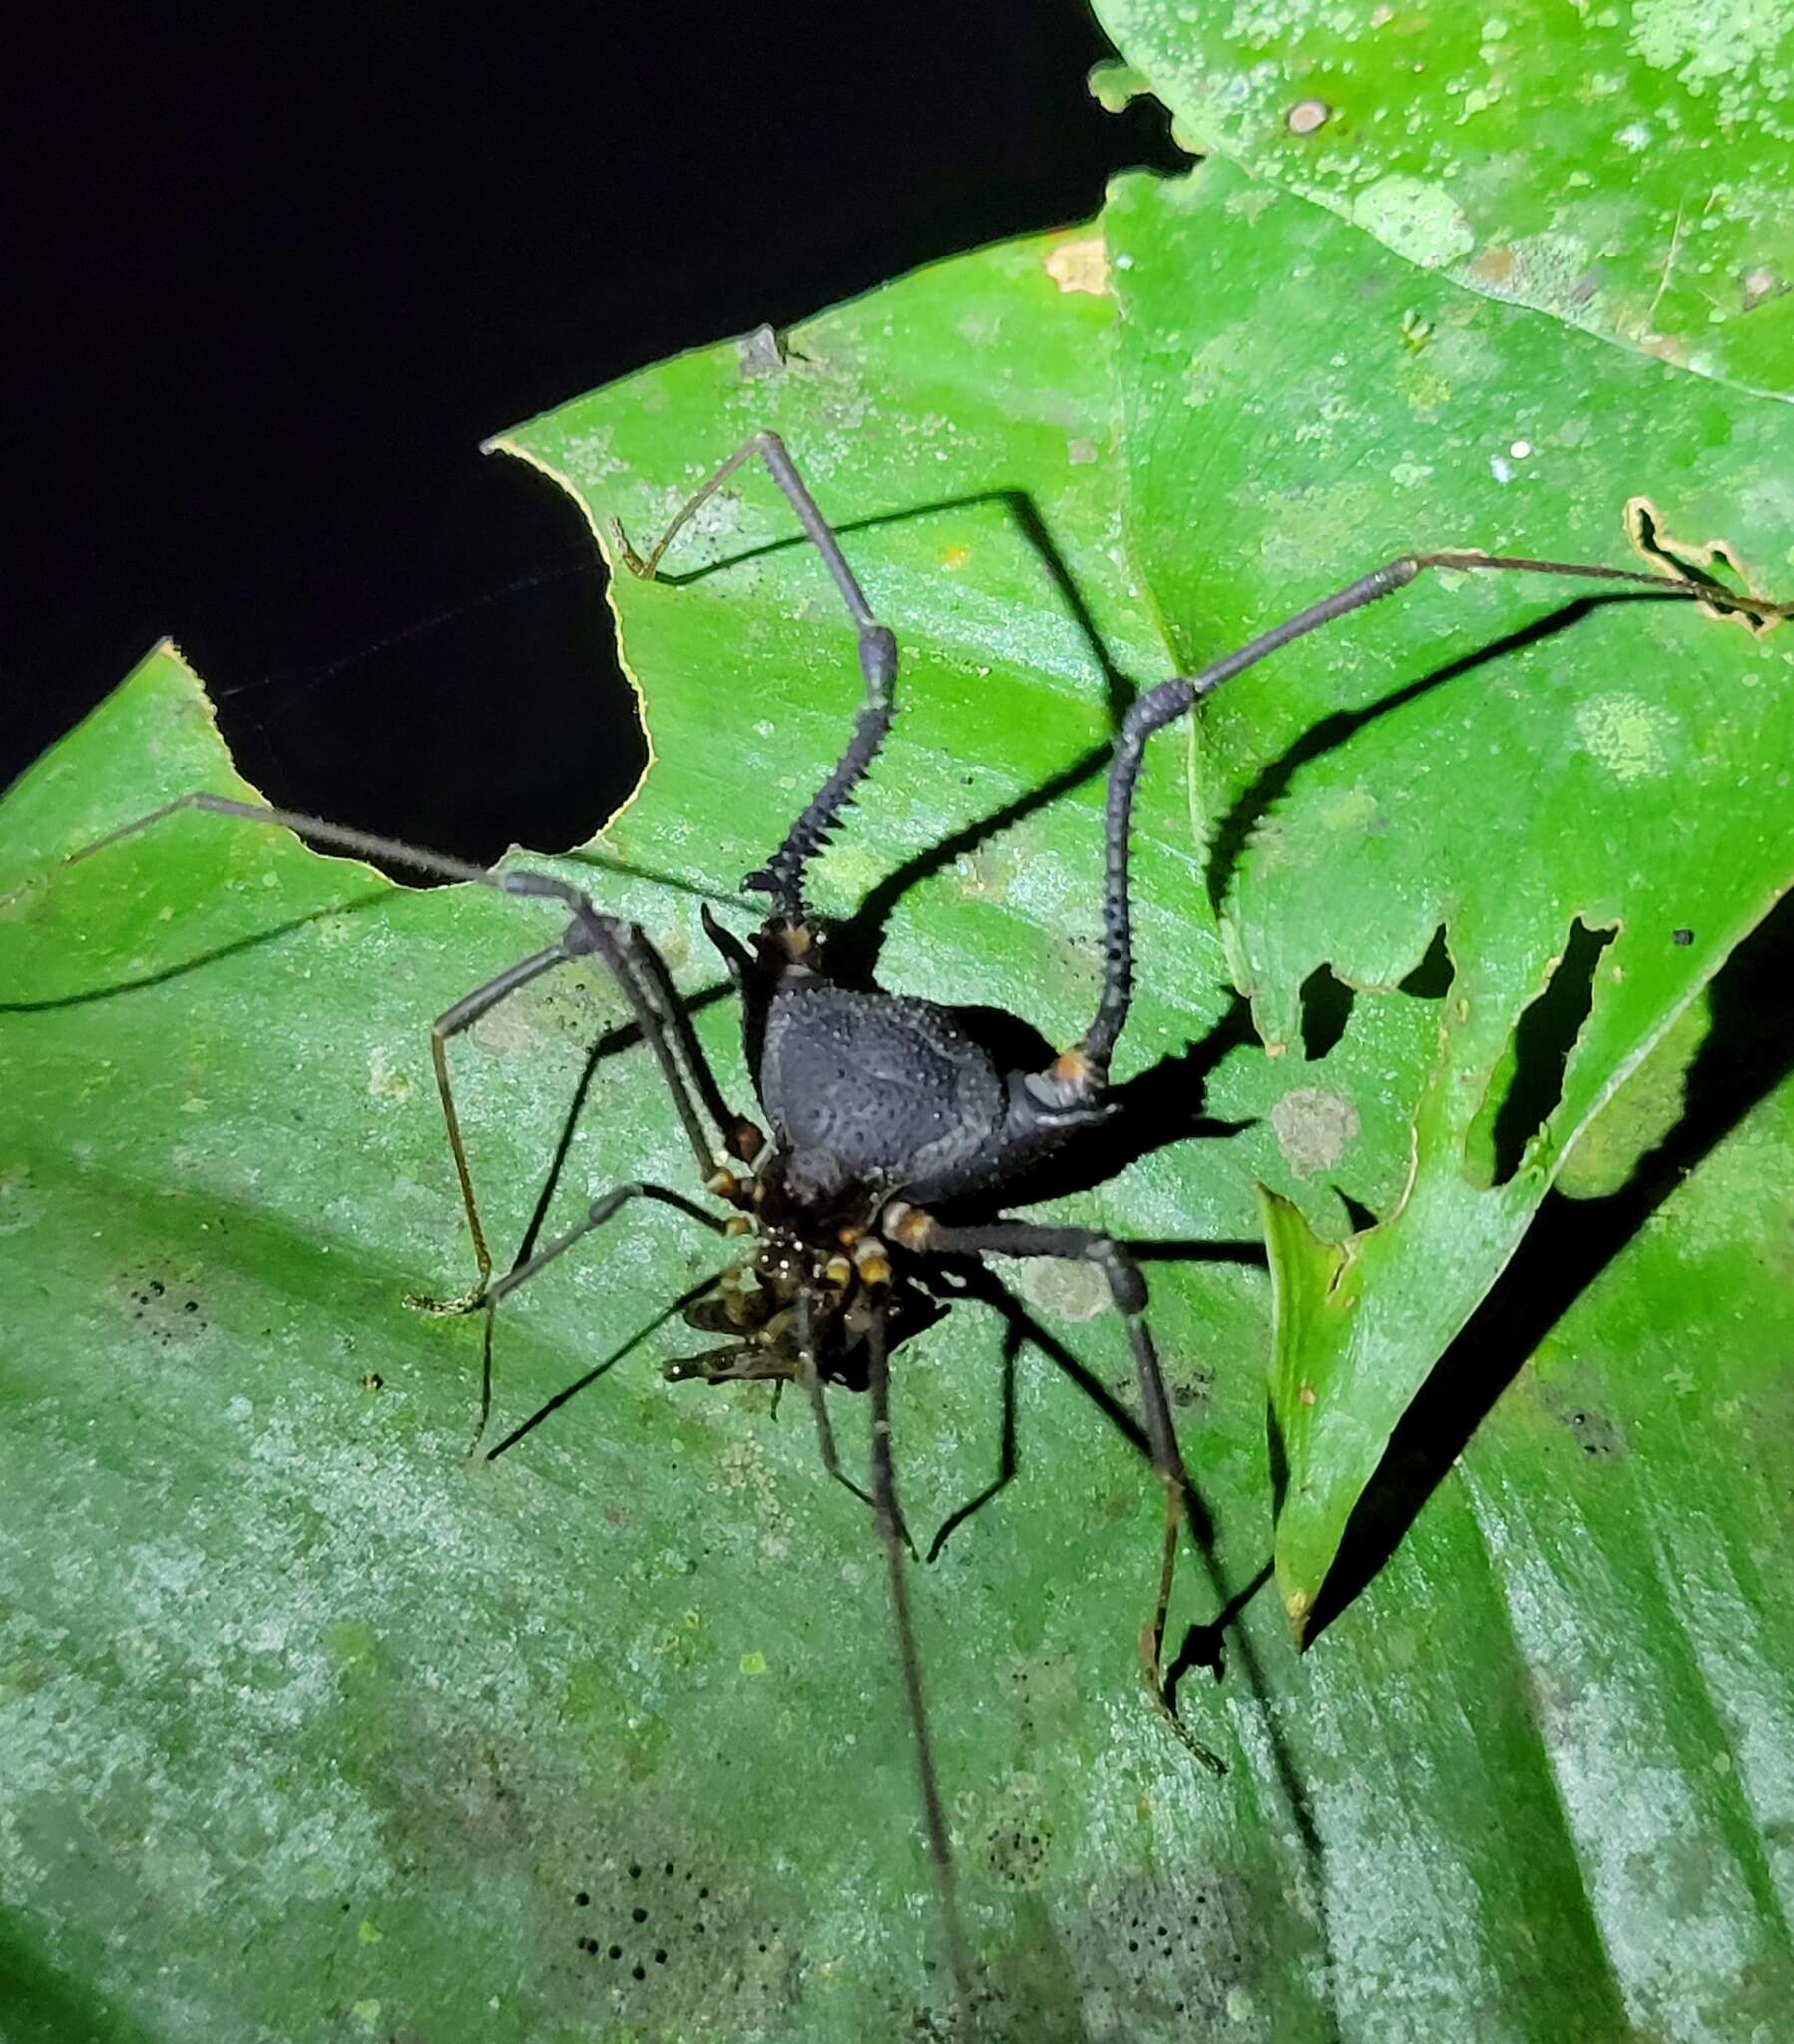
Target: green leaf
x=1537, y=791
x=314, y=1728
x=1640, y=1115
x=1624, y=169
x=292, y=1664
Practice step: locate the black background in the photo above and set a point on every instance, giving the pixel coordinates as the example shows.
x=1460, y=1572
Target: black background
x=282, y=274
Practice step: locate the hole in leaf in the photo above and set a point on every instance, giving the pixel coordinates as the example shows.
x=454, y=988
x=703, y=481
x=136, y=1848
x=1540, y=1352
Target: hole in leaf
x=1326, y=1010
x=1528, y=1084
x=1713, y=564
x=1431, y=979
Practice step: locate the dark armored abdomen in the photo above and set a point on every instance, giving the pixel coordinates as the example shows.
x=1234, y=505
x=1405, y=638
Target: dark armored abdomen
x=874, y=1092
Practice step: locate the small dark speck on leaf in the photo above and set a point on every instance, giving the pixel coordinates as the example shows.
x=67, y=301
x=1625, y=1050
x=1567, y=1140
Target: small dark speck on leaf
x=1684, y=937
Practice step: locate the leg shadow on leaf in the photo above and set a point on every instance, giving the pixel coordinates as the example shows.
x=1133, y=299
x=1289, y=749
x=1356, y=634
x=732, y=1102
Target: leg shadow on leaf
x=218, y=956
x=1746, y=1054
x=1205, y=1646
x=1233, y=832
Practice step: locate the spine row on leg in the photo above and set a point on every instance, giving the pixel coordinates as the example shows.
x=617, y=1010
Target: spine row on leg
x=782, y=874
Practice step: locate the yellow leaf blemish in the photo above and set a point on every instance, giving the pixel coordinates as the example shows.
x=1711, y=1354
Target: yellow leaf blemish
x=1080, y=265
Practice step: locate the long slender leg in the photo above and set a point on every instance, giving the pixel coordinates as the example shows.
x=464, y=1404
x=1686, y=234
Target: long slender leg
x=1127, y=1293
x=741, y=1137
x=884, y=1494
x=782, y=874
x=551, y=1180
x=815, y=1389
x=745, y=1144
x=1085, y=1069
x=597, y=1215
x=984, y=1286
x=1203, y=1643
x=463, y=1015
x=569, y=1392
x=363, y=843
x=621, y=948
x=609, y=1038
x=1006, y=1449
x=665, y=1011
x=633, y=962
x=620, y=945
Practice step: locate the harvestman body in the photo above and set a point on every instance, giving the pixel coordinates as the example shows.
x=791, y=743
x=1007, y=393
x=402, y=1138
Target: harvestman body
x=880, y=1108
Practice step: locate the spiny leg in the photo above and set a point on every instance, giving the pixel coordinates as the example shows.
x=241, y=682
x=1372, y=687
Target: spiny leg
x=1084, y=1071
x=1127, y=1293
x=890, y=1522
x=782, y=874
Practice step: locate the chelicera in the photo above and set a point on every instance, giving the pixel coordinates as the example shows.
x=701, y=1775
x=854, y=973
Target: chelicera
x=889, y=1136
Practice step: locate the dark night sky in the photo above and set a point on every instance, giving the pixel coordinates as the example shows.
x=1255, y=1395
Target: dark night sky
x=283, y=274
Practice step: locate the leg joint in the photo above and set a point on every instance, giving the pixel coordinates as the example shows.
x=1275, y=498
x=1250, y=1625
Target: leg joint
x=879, y=658
x=1127, y=1286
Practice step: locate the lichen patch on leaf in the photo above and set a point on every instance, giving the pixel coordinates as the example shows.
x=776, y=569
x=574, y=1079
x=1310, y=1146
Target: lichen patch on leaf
x=1313, y=1128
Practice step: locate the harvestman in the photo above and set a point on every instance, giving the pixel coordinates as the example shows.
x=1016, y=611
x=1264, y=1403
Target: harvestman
x=891, y=1134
